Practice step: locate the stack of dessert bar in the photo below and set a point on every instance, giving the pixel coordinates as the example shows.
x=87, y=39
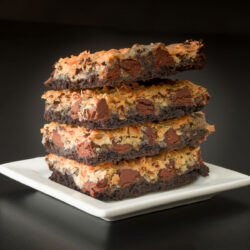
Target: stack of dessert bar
x=119, y=128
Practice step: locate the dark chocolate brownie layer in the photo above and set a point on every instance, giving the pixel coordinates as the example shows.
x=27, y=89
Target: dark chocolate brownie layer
x=134, y=189
x=113, y=67
x=189, y=139
x=129, y=104
x=114, y=122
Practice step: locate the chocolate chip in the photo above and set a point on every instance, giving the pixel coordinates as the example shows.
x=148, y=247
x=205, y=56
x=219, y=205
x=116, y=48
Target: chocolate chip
x=131, y=66
x=92, y=188
x=85, y=149
x=89, y=187
x=122, y=148
x=163, y=58
x=151, y=134
x=171, y=137
x=168, y=172
x=145, y=102
x=182, y=97
x=114, y=72
x=102, y=110
x=56, y=138
x=144, y=107
x=75, y=109
x=128, y=176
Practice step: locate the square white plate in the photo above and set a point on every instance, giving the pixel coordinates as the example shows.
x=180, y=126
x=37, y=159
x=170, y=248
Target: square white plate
x=34, y=173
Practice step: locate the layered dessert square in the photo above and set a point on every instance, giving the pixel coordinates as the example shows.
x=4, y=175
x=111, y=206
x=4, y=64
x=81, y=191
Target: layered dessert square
x=129, y=178
x=99, y=146
x=113, y=67
x=128, y=104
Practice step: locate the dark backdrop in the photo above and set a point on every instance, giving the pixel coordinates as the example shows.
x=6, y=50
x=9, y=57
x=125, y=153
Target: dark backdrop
x=35, y=34
x=213, y=17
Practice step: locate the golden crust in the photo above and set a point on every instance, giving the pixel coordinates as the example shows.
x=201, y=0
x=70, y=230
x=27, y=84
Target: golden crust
x=99, y=62
x=123, y=99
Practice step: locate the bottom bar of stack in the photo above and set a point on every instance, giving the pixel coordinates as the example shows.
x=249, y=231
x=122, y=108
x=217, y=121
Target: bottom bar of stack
x=129, y=178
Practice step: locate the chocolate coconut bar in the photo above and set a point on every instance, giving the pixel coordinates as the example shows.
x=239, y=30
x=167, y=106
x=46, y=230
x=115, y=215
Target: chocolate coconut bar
x=128, y=104
x=113, y=67
x=99, y=146
x=129, y=178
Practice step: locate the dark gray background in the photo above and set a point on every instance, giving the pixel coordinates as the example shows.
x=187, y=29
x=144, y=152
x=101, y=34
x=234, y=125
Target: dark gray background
x=213, y=17
x=33, y=36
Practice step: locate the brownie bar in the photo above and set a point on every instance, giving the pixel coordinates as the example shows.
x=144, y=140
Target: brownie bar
x=129, y=104
x=112, y=67
x=98, y=146
x=129, y=178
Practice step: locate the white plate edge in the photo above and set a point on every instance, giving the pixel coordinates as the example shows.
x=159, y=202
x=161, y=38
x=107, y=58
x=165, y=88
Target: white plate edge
x=47, y=189
x=104, y=210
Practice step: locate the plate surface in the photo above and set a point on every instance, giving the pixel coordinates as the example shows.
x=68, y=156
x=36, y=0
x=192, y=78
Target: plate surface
x=34, y=173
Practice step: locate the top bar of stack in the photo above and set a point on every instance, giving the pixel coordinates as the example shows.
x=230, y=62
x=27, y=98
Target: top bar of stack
x=113, y=67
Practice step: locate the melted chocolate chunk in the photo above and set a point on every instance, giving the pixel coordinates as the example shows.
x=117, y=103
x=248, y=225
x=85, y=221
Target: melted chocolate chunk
x=168, y=172
x=171, y=137
x=131, y=66
x=182, y=97
x=94, y=188
x=75, y=109
x=122, y=148
x=85, y=149
x=151, y=134
x=56, y=138
x=144, y=107
x=163, y=58
x=102, y=110
x=128, y=176
x=114, y=73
